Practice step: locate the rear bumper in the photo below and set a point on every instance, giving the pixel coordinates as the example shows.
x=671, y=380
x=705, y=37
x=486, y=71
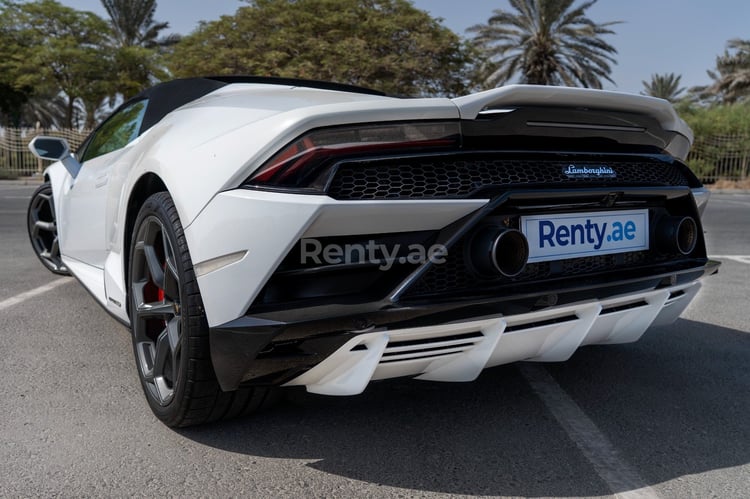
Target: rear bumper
x=261, y=227
x=444, y=341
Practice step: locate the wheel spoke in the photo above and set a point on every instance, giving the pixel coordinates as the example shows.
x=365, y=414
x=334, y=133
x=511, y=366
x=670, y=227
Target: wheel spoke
x=45, y=226
x=171, y=280
x=55, y=250
x=155, y=270
x=153, y=229
x=35, y=227
x=171, y=283
x=162, y=355
x=163, y=391
x=175, y=370
x=168, y=253
x=146, y=359
x=164, y=309
x=52, y=208
x=137, y=290
x=173, y=334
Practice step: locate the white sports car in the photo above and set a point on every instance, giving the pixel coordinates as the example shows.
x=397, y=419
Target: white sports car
x=258, y=232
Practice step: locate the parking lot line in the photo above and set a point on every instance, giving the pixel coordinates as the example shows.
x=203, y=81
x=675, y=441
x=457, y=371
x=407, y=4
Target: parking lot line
x=622, y=479
x=19, y=298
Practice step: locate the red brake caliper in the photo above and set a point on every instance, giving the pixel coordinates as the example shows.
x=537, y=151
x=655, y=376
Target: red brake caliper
x=160, y=295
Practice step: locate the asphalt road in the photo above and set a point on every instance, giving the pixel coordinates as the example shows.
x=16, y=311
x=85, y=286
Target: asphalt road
x=667, y=416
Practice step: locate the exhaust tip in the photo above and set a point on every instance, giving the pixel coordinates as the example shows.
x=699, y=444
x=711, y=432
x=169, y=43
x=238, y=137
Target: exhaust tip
x=499, y=250
x=677, y=234
x=687, y=235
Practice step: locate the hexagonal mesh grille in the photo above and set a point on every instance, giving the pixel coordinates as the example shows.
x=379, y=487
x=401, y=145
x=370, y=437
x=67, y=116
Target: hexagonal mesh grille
x=446, y=177
x=455, y=276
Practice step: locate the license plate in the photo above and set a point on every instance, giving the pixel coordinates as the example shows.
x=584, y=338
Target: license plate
x=558, y=237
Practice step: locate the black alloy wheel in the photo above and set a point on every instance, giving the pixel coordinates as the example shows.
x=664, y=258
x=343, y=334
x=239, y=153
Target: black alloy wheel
x=170, y=330
x=42, y=226
x=155, y=287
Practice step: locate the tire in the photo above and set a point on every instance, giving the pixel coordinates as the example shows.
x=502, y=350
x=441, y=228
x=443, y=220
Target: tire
x=41, y=222
x=170, y=331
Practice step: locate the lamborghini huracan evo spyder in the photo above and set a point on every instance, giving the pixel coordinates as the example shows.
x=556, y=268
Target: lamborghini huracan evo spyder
x=256, y=233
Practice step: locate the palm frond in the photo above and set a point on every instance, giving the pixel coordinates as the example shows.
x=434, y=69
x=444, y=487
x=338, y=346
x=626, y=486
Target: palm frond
x=732, y=74
x=547, y=42
x=664, y=86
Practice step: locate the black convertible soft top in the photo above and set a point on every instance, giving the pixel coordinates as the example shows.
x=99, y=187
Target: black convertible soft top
x=166, y=97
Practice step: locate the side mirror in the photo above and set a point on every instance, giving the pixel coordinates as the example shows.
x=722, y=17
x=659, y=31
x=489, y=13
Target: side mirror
x=55, y=149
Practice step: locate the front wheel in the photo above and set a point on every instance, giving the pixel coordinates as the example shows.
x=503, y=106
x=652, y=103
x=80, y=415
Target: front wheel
x=41, y=222
x=170, y=331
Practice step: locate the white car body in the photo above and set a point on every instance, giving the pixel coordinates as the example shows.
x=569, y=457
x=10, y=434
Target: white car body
x=204, y=151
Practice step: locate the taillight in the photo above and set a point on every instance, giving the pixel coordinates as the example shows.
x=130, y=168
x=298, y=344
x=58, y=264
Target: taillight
x=303, y=161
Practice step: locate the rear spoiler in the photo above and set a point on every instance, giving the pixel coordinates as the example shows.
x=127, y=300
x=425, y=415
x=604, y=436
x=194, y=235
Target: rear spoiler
x=511, y=96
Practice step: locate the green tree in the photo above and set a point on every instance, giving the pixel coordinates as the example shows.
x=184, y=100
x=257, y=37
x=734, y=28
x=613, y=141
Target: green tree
x=66, y=54
x=133, y=24
x=385, y=44
x=722, y=138
x=12, y=95
x=545, y=42
x=12, y=102
x=137, y=44
x=48, y=109
x=732, y=74
x=664, y=86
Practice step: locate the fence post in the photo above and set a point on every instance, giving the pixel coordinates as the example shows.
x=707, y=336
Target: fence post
x=13, y=156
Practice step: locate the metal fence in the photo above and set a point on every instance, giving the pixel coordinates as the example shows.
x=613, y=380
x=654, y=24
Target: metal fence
x=720, y=157
x=15, y=158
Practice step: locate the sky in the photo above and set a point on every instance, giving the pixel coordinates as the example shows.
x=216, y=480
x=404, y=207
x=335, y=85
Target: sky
x=656, y=36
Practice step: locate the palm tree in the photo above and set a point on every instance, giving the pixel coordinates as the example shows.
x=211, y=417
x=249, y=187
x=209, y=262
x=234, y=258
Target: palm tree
x=137, y=46
x=133, y=24
x=546, y=42
x=49, y=110
x=664, y=86
x=732, y=74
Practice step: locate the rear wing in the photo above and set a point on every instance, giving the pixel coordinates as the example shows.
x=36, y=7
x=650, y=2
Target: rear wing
x=507, y=98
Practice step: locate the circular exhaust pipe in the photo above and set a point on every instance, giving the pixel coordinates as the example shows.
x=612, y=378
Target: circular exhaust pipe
x=498, y=250
x=676, y=234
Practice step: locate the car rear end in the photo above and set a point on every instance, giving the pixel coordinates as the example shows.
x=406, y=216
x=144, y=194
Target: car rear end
x=516, y=224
